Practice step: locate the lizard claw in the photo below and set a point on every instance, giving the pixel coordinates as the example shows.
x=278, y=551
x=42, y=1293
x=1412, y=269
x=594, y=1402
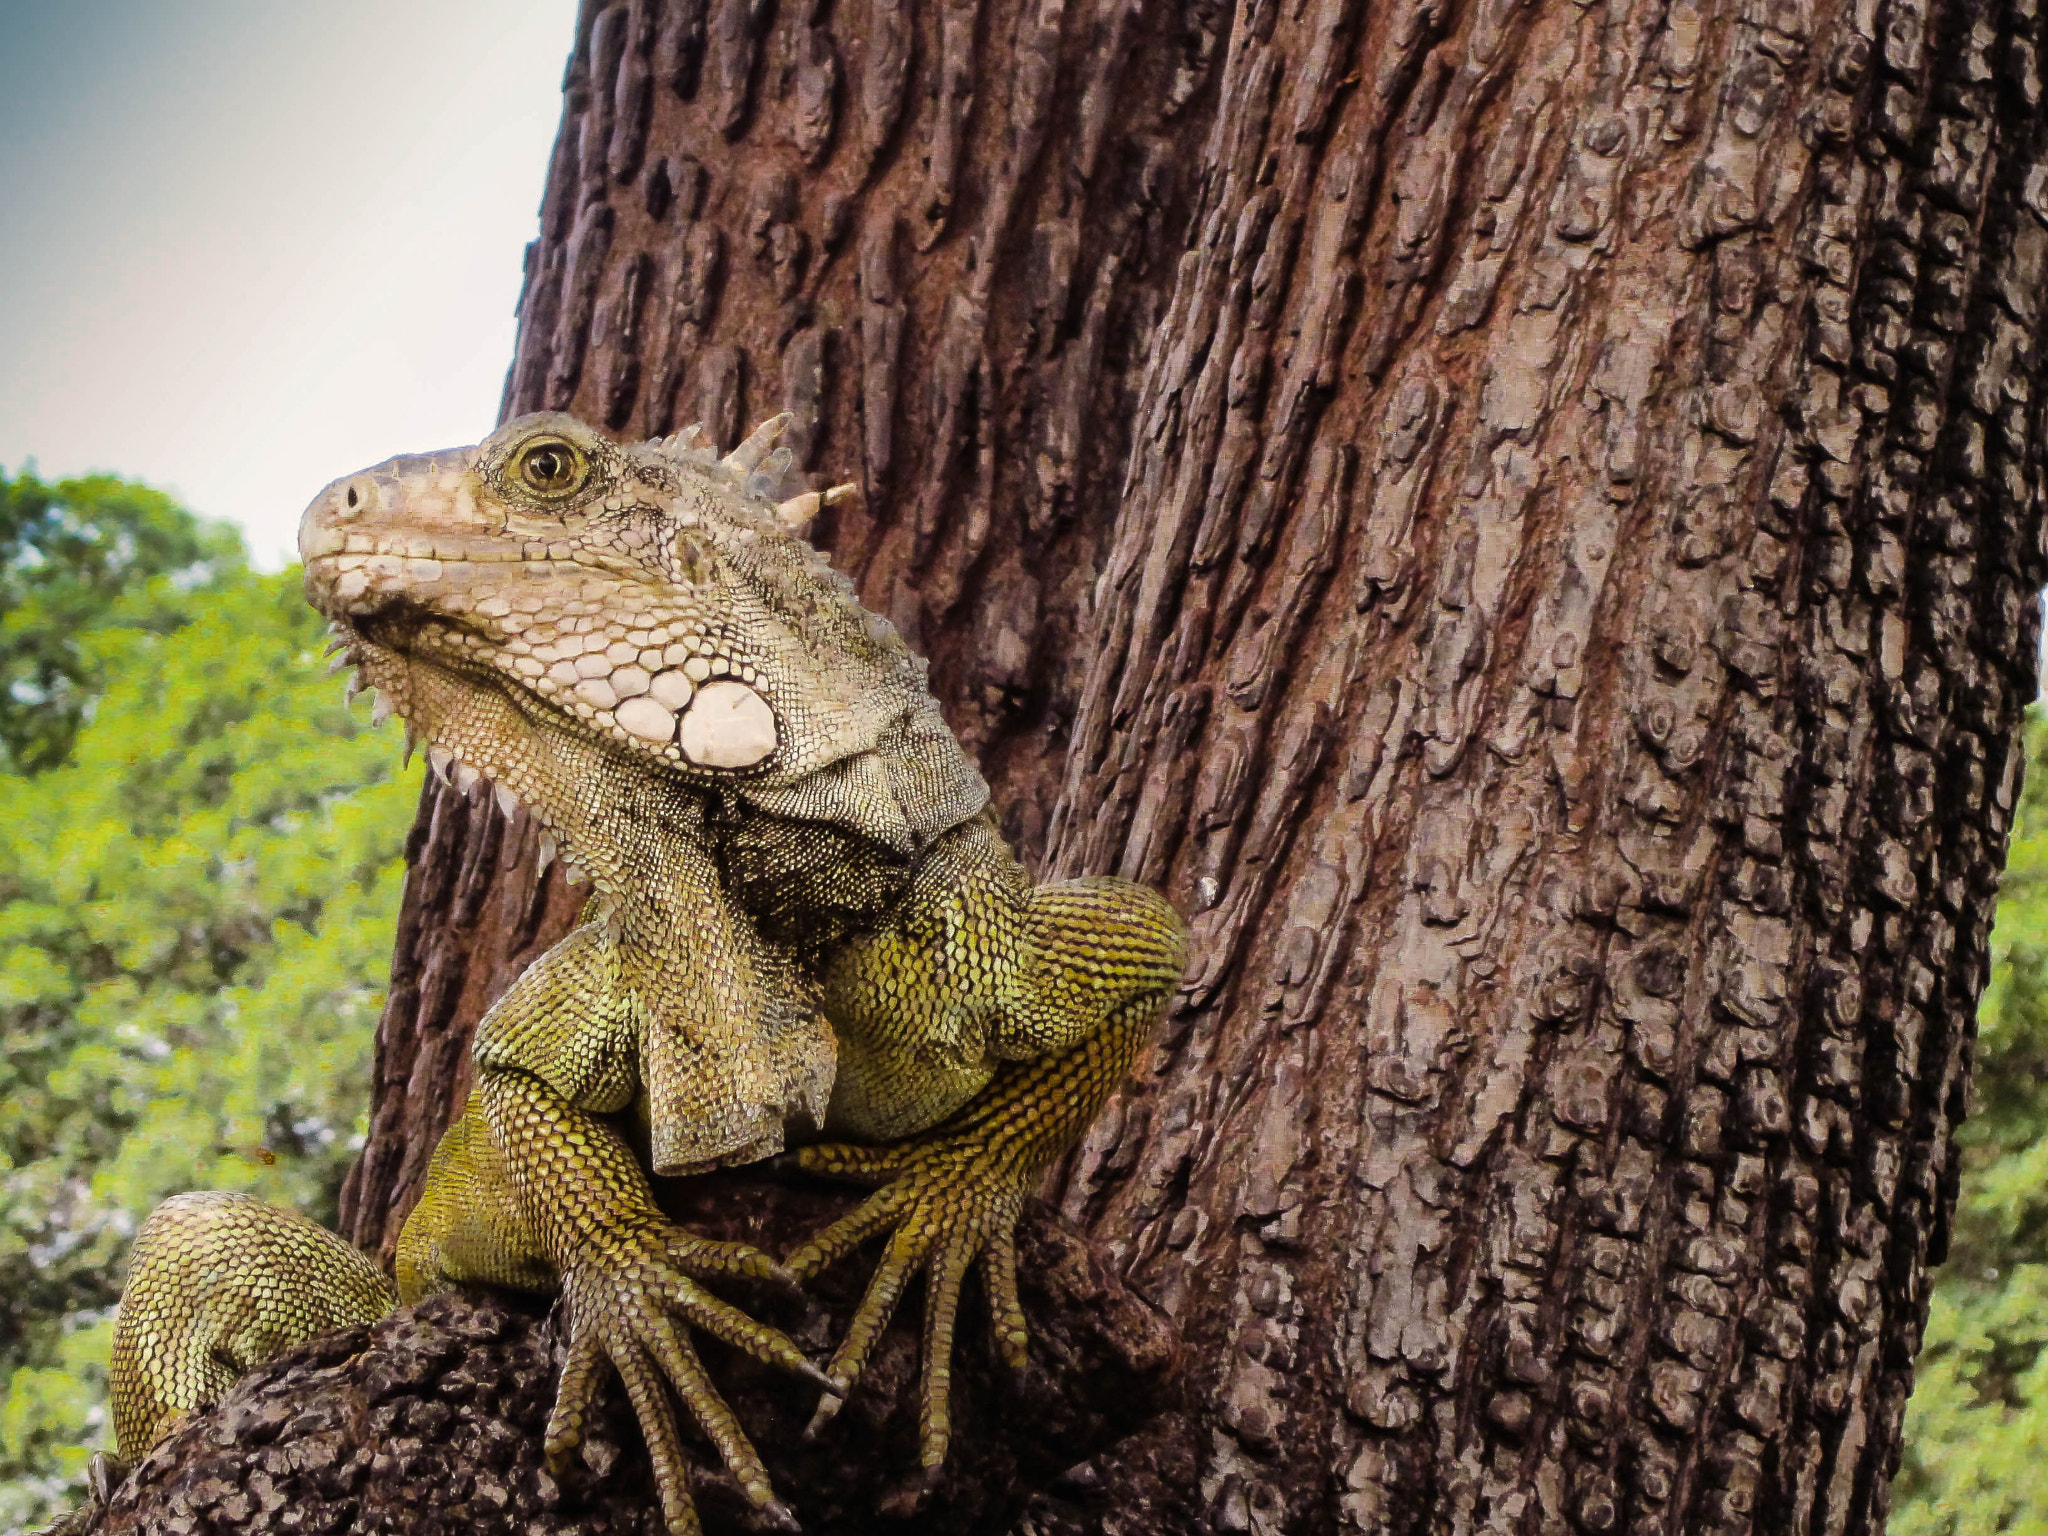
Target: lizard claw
x=104, y=1475
x=833, y=1388
x=827, y=1409
x=909, y=1496
x=704, y=1259
x=948, y=1204
x=623, y=1318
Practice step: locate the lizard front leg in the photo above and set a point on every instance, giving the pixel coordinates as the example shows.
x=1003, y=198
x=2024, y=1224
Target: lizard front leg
x=1066, y=982
x=555, y=1060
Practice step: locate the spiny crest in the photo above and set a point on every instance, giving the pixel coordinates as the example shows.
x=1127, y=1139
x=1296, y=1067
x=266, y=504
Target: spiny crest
x=757, y=469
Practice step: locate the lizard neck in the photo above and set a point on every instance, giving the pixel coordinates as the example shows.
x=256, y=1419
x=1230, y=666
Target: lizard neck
x=634, y=840
x=629, y=828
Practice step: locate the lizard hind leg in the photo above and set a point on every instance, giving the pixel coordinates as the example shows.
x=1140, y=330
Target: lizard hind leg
x=217, y=1284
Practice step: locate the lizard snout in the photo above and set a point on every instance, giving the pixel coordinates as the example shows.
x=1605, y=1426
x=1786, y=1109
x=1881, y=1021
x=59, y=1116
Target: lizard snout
x=323, y=526
x=387, y=523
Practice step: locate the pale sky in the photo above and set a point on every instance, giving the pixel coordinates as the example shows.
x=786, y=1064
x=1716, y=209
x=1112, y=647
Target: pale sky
x=249, y=245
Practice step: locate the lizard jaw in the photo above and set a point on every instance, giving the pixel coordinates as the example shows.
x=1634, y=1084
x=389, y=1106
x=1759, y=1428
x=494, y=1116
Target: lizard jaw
x=655, y=683
x=384, y=673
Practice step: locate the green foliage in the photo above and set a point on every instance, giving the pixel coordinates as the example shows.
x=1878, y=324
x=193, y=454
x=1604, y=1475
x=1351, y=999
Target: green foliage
x=1977, y=1424
x=197, y=886
x=73, y=556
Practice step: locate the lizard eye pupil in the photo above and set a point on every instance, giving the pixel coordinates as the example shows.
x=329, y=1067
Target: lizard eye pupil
x=550, y=468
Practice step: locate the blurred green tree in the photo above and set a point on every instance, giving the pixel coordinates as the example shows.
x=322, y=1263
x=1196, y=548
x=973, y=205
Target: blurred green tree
x=1977, y=1425
x=200, y=859
x=74, y=556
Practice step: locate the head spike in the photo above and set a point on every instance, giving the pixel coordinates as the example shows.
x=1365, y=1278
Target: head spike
x=508, y=803
x=796, y=513
x=766, y=482
x=438, y=759
x=546, y=855
x=412, y=740
x=839, y=493
x=681, y=444
x=742, y=460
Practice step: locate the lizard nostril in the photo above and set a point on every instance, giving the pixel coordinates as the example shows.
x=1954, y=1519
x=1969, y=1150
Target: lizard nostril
x=353, y=498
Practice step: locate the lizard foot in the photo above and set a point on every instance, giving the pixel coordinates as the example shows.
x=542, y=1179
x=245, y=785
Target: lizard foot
x=622, y=1312
x=945, y=1204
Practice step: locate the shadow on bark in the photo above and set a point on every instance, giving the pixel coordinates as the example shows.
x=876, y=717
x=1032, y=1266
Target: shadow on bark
x=432, y=1419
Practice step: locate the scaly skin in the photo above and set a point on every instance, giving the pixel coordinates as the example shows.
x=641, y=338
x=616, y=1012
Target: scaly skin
x=186, y=1335
x=805, y=923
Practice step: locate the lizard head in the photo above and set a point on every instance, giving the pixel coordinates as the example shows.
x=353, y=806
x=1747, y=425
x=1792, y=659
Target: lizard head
x=550, y=604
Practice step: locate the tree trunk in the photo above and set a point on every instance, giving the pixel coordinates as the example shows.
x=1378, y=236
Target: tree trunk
x=1523, y=519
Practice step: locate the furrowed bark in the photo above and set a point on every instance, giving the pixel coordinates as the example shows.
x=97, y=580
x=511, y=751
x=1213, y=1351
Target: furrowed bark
x=1524, y=520
x=1557, y=1129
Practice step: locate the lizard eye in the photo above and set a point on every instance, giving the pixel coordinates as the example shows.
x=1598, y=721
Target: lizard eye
x=551, y=467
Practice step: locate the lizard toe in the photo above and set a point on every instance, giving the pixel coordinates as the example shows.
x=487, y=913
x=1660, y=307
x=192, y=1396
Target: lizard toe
x=642, y=1381
x=955, y=1204
x=702, y=1258
x=826, y=1248
x=583, y=1374
x=853, y=1162
x=1006, y=1311
x=941, y=1311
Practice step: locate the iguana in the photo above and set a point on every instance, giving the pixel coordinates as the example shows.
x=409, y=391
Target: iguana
x=805, y=924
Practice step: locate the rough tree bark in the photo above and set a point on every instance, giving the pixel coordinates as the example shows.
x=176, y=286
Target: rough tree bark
x=1522, y=518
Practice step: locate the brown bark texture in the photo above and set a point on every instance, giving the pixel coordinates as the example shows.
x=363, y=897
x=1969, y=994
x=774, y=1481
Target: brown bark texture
x=1524, y=519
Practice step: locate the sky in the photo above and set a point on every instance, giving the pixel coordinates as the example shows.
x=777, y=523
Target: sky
x=247, y=246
